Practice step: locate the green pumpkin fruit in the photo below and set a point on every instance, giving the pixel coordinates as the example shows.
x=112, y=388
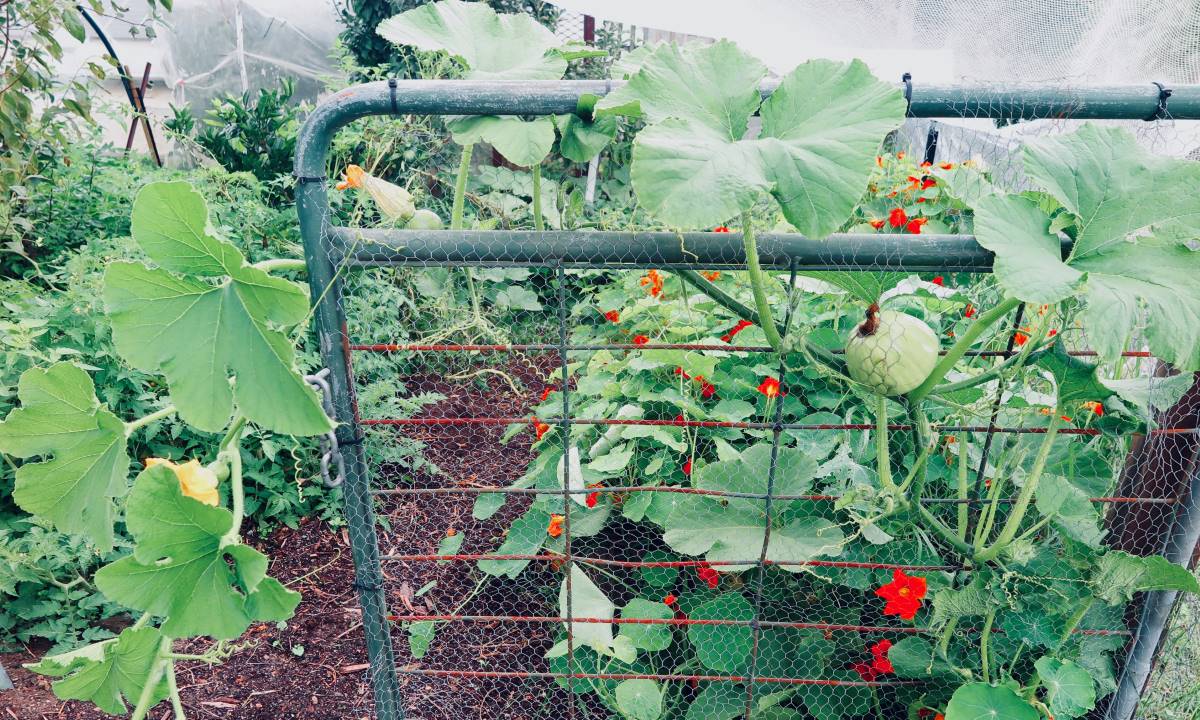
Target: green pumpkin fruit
x=891, y=352
x=424, y=220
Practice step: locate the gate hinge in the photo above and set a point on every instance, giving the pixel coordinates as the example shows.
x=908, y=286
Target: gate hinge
x=331, y=453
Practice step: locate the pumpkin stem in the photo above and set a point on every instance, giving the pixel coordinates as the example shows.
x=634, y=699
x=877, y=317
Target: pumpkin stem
x=871, y=324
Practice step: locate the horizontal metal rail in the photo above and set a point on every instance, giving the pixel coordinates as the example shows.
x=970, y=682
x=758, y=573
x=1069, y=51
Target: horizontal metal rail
x=853, y=564
x=548, y=347
x=521, y=675
x=618, y=489
x=851, y=252
x=687, y=621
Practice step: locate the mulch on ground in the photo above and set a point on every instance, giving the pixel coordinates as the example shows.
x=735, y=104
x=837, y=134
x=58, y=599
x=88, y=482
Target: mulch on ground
x=315, y=666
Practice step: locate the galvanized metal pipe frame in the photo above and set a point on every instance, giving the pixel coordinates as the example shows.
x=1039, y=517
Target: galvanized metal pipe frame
x=327, y=249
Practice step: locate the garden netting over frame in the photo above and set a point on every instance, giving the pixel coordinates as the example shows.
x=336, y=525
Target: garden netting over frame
x=601, y=494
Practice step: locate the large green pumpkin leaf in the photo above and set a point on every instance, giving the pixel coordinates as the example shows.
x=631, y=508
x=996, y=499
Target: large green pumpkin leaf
x=1070, y=691
x=1119, y=575
x=1070, y=510
x=490, y=46
x=693, y=165
x=1133, y=213
x=199, y=333
x=978, y=701
x=184, y=569
x=521, y=142
x=82, y=444
x=107, y=673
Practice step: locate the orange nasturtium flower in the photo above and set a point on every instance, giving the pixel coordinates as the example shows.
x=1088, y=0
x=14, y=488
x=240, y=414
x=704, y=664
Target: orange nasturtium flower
x=1046, y=411
x=670, y=599
x=653, y=282
x=1096, y=407
x=876, y=223
x=612, y=316
x=733, y=331
x=539, y=427
x=640, y=339
x=712, y=276
x=947, y=166
x=195, y=480
x=769, y=387
x=903, y=595
x=546, y=392
x=555, y=528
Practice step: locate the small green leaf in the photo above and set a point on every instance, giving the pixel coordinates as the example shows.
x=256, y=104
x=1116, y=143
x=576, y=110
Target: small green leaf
x=420, y=637
x=718, y=701
x=1070, y=692
x=652, y=637
x=639, y=699
x=866, y=286
x=1071, y=510
x=724, y=648
x=82, y=444
x=522, y=142
x=580, y=140
x=1119, y=575
x=587, y=601
x=978, y=701
x=486, y=505
x=181, y=571
x=914, y=658
x=525, y=537
x=451, y=544
x=107, y=674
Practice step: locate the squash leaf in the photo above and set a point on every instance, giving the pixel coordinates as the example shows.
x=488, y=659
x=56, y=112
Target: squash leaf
x=204, y=316
x=1134, y=214
x=82, y=446
x=693, y=166
x=183, y=568
x=108, y=673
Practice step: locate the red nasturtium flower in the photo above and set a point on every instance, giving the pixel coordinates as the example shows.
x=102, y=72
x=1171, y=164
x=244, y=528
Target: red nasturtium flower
x=769, y=387
x=707, y=389
x=712, y=275
x=546, y=392
x=539, y=427
x=721, y=228
x=970, y=311
x=938, y=280
x=1046, y=411
x=879, y=665
x=555, y=528
x=653, y=282
x=876, y=223
x=640, y=339
x=879, y=160
x=900, y=155
x=1097, y=408
x=680, y=371
x=670, y=599
x=612, y=316
x=903, y=594
x=914, y=226
x=927, y=183
x=708, y=575
x=687, y=467
x=733, y=331
x=680, y=419
x=897, y=217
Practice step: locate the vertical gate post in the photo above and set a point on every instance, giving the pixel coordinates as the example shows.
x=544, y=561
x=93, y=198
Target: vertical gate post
x=330, y=325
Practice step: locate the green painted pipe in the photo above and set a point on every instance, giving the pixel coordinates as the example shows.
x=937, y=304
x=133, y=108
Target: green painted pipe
x=851, y=252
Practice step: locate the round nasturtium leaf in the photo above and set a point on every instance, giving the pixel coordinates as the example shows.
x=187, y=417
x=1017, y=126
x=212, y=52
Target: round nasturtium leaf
x=979, y=701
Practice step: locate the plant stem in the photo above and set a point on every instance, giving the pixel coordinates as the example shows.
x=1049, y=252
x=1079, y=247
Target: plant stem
x=234, y=431
x=456, y=218
x=173, y=688
x=1075, y=619
x=991, y=373
x=938, y=527
x=145, y=420
x=963, y=487
x=1017, y=515
x=281, y=265
x=947, y=633
x=964, y=343
x=984, y=660
x=883, y=458
x=460, y=187
x=236, y=492
x=758, y=284
x=539, y=223
x=152, y=678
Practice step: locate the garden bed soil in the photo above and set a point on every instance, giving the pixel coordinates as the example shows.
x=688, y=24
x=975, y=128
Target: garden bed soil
x=315, y=666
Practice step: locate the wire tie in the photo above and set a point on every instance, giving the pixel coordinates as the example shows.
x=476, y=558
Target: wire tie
x=356, y=441
x=392, y=92
x=309, y=178
x=1160, y=111
x=360, y=586
x=906, y=78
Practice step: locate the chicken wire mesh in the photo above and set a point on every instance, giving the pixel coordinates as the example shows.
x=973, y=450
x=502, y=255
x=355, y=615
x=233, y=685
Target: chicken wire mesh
x=582, y=485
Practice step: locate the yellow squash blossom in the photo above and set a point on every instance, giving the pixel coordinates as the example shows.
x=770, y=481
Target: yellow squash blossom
x=195, y=480
x=393, y=201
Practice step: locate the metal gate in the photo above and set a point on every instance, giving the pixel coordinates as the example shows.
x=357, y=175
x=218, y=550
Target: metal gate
x=556, y=259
